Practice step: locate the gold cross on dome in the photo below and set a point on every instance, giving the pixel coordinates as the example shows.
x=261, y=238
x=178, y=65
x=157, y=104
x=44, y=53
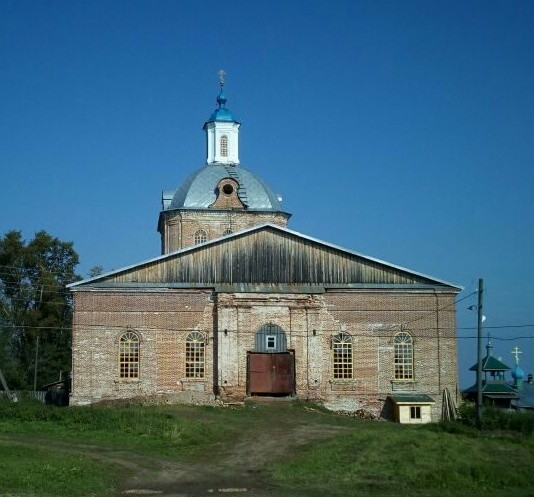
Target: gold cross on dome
x=516, y=352
x=222, y=74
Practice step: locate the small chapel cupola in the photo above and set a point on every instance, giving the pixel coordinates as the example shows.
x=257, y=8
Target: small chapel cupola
x=222, y=132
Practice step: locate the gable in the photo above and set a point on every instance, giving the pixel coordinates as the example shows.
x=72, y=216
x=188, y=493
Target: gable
x=266, y=255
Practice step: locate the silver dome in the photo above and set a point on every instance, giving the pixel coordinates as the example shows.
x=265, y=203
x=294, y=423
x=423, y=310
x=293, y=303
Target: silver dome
x=198, y=190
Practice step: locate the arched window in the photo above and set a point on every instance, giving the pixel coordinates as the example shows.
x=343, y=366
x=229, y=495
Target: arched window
x=224, y=146
x=227, y=231
x=129, y=355
x=270, y=338
x=342, y=347
x=200, y=237
x=194, y=355
x=403, y=345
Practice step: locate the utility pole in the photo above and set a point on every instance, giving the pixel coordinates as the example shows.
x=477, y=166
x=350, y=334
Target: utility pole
x=479, y=353
x=36, y=362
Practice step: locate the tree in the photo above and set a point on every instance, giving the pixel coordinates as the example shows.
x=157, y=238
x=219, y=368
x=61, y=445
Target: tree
x=35, y=308
x=95, y=271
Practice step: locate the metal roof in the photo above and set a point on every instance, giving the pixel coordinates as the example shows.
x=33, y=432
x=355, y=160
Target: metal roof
x=222, y=113
x=412, y=398
x=490, y=363
x=198, y=189
x=495, y=389
x=526, y=397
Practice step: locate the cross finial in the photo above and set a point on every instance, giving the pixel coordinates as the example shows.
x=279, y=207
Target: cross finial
x=222, y=74
x=516, y=352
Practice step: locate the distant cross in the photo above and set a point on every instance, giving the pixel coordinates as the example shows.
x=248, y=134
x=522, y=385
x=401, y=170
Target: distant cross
x=222, y=74
x=516, y=352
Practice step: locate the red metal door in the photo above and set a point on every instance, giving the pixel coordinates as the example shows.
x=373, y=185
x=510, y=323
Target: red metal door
x=271, y=373
x=283, y=373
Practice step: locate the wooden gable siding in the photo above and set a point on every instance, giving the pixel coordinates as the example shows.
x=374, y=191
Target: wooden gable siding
x=267, y=257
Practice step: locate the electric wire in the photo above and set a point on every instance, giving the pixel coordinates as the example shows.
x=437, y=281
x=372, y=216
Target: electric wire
x=63, y=292
x=419, y=334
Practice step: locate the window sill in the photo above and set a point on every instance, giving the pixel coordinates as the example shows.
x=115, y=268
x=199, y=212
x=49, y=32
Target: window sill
x=403, y=385
x=344, y=384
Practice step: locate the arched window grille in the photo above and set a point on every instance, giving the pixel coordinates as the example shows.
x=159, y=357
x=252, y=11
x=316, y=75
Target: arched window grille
x=129, y=355
x=195, y=356
x=224, y=146
x=227, y=231
x=342, y=348
x=200, y=237
x=403, y=345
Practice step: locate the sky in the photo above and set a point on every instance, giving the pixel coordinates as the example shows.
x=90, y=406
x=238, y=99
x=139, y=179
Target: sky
x=403, y=130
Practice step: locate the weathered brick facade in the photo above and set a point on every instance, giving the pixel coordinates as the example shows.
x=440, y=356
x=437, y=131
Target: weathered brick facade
x=163, y=318
x=178, y=227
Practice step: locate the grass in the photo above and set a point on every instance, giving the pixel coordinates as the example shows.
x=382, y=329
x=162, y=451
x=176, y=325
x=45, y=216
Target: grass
x=48, y=451
x=154, y=430
x=27, y=470
x=387, y=459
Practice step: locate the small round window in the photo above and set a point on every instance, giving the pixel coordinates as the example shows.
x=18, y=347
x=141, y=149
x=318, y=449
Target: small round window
x=228, y=189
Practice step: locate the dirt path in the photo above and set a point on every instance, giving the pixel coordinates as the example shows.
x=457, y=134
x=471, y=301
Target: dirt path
x=231, y=469
x=236, y=470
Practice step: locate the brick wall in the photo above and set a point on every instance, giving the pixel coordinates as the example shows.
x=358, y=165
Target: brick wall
x=164, y=318
x=178, y=228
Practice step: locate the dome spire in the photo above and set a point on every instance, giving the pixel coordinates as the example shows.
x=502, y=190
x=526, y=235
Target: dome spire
x=516, y=352
x=489, y=346
x=222, y=131
x=221, y=99
x=517, y=374
x=222, y=74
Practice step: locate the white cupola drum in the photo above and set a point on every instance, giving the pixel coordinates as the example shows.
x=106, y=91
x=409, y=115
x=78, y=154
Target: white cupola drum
x=222, y=134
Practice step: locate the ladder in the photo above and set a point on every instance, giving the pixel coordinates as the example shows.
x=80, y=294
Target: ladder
x=10, y=395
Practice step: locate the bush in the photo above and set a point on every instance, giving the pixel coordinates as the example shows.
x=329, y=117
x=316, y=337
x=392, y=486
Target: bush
x=497, y=419
x=467, y=414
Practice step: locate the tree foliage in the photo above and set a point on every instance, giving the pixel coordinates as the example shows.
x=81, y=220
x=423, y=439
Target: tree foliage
x=35, y=308
x=95, y=271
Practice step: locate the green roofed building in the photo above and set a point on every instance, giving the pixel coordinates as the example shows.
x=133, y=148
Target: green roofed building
x=495, y=390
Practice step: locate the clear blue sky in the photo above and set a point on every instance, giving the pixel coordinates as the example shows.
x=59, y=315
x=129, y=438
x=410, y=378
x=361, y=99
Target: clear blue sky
x=401, y=130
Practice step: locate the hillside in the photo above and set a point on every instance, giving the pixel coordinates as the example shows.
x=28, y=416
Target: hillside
x=265, y=448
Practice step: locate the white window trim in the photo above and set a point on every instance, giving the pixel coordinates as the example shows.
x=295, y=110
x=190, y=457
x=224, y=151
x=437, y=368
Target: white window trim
x=270, y=337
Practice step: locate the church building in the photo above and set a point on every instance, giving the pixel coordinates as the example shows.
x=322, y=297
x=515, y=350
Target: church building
x=239, y=305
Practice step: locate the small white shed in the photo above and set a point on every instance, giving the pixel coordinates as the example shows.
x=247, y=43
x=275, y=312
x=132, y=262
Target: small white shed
x=412, y=408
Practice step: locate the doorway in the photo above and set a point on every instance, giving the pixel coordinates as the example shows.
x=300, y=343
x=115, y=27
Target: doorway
x=270, y=367
x=271, y=374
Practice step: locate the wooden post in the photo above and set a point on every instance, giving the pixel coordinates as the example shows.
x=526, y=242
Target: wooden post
x=479, y=354
x=36, y=362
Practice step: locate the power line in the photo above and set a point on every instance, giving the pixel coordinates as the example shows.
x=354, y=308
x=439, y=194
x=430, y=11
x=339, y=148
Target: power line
x=302, y=332
x=363, y=333
x=500, y=339
x=64, y=292
x=498, y=327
